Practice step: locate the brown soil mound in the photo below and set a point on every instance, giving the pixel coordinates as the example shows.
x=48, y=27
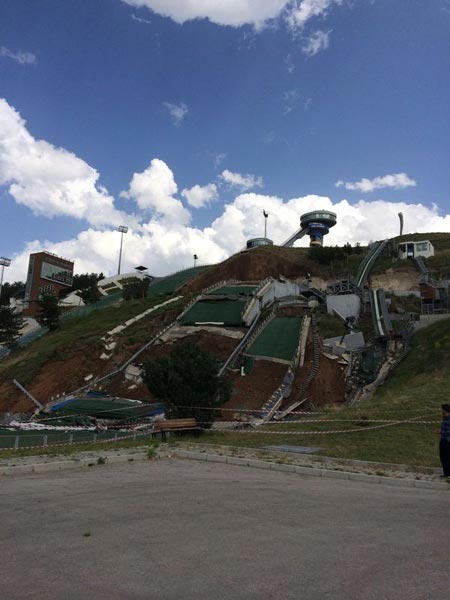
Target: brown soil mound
x=256, y=265
x=252, y=391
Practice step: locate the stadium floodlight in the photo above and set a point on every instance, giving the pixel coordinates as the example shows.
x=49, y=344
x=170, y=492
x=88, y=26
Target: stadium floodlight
x=266, y=214
x=4, y=262
x=121, y=229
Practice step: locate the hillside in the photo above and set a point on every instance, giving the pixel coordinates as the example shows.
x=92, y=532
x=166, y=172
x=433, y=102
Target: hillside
x=413, y=392
x=272, y=261
x=59, y=362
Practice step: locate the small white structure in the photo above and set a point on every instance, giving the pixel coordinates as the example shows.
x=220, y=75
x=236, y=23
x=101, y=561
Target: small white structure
x=411, y=249
x=116, y=283
x=71, y=300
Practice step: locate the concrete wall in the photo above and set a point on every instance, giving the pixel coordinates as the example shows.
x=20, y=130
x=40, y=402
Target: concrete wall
x=427, y=320
x=347, y=305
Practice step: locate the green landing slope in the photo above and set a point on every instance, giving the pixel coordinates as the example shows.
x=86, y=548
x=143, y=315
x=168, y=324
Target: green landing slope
x=228, y=312
x=278, y=340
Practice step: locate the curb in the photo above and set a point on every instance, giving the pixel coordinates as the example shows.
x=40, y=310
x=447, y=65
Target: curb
x=76, y=463
x=312, y=471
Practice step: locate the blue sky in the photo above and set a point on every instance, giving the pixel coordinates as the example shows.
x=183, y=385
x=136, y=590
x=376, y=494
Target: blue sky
x=184, y=119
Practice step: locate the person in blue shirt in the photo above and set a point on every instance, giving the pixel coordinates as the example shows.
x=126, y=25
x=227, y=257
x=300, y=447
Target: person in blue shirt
x=444, y=444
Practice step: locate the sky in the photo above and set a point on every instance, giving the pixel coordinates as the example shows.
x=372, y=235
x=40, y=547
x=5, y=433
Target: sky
x=185, y=119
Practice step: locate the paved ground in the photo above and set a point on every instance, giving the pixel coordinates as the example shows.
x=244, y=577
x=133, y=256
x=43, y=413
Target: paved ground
x=182, y=530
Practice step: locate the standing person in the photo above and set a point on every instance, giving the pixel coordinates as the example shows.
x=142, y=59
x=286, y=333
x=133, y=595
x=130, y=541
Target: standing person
x=444, y=444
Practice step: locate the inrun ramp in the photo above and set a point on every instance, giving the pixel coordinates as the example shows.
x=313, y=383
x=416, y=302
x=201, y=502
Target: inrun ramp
x=278, y=340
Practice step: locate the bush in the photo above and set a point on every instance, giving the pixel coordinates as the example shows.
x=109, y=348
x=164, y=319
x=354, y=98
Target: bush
x=187, y=380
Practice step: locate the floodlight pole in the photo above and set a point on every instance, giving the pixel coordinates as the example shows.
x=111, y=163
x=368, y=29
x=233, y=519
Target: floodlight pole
x=122, y=229
x=4, y=262
x=265, y=223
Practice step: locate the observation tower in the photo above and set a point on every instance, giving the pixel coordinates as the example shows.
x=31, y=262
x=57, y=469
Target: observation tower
x=316, y=224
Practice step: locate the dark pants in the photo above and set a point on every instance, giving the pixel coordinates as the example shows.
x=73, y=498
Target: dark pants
x=444, y=454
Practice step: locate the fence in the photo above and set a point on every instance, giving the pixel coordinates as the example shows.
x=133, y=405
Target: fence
x=35, y=439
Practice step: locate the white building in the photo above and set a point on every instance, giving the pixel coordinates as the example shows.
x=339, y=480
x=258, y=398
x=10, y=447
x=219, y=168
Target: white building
x=116, y=283
x=411, y=249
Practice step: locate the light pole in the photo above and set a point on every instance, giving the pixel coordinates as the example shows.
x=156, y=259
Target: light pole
x=195, y=260
x=266, y=214
x=122, y=229
x=4, y=262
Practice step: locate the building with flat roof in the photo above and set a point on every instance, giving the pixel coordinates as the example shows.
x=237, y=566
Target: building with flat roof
x=47, y=274
x=412, y=249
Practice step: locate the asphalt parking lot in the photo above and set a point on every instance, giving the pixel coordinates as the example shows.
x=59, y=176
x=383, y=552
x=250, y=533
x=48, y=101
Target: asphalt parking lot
x=181, y=529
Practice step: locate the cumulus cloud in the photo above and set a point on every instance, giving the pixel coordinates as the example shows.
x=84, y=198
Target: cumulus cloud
x=397, y=181
x=234, y=13
x=245, y=182
x=154, y=190
x=317, y=41
x=167, y=247
x=177, y=112
x=199, y=196
x=23, y=58
x=51, y=181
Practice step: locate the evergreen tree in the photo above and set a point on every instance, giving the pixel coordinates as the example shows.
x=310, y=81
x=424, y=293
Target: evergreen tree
x=187, y=380
x=50, y=312
x=11, y=324
x=90, y=295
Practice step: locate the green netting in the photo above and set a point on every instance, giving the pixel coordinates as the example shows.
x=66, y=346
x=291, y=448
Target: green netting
x=103, y=302
x=228, y=312
x=279, y=339
x=39, y=438
x=169, y=284
x=106, y=408
x=244, y=290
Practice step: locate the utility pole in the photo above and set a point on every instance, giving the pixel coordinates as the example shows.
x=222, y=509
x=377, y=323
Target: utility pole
x=122, y=229
x=266, y=214
x=4, y=262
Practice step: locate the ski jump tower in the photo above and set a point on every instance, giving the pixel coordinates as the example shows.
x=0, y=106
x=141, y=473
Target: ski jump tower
x=316, y=224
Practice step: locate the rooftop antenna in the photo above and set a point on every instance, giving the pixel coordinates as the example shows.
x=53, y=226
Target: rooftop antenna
x=266, y=214
x=400, y=216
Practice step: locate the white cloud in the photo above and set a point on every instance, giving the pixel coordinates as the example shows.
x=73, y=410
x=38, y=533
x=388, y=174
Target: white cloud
x=222, y=12
x=51, y=181
x=154, y=190
x=140, y=19
x=23, y=58
x=290, y=100
x=166, y=247
x=303, y=10
x=245, y=182
x=317, y=41
x=397, y=181
x=177, y=112
x=218, y=159
x=290, y=67
x=198, y=196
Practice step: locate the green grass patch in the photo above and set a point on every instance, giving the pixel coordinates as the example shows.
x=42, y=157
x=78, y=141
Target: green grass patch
x=72, y=336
